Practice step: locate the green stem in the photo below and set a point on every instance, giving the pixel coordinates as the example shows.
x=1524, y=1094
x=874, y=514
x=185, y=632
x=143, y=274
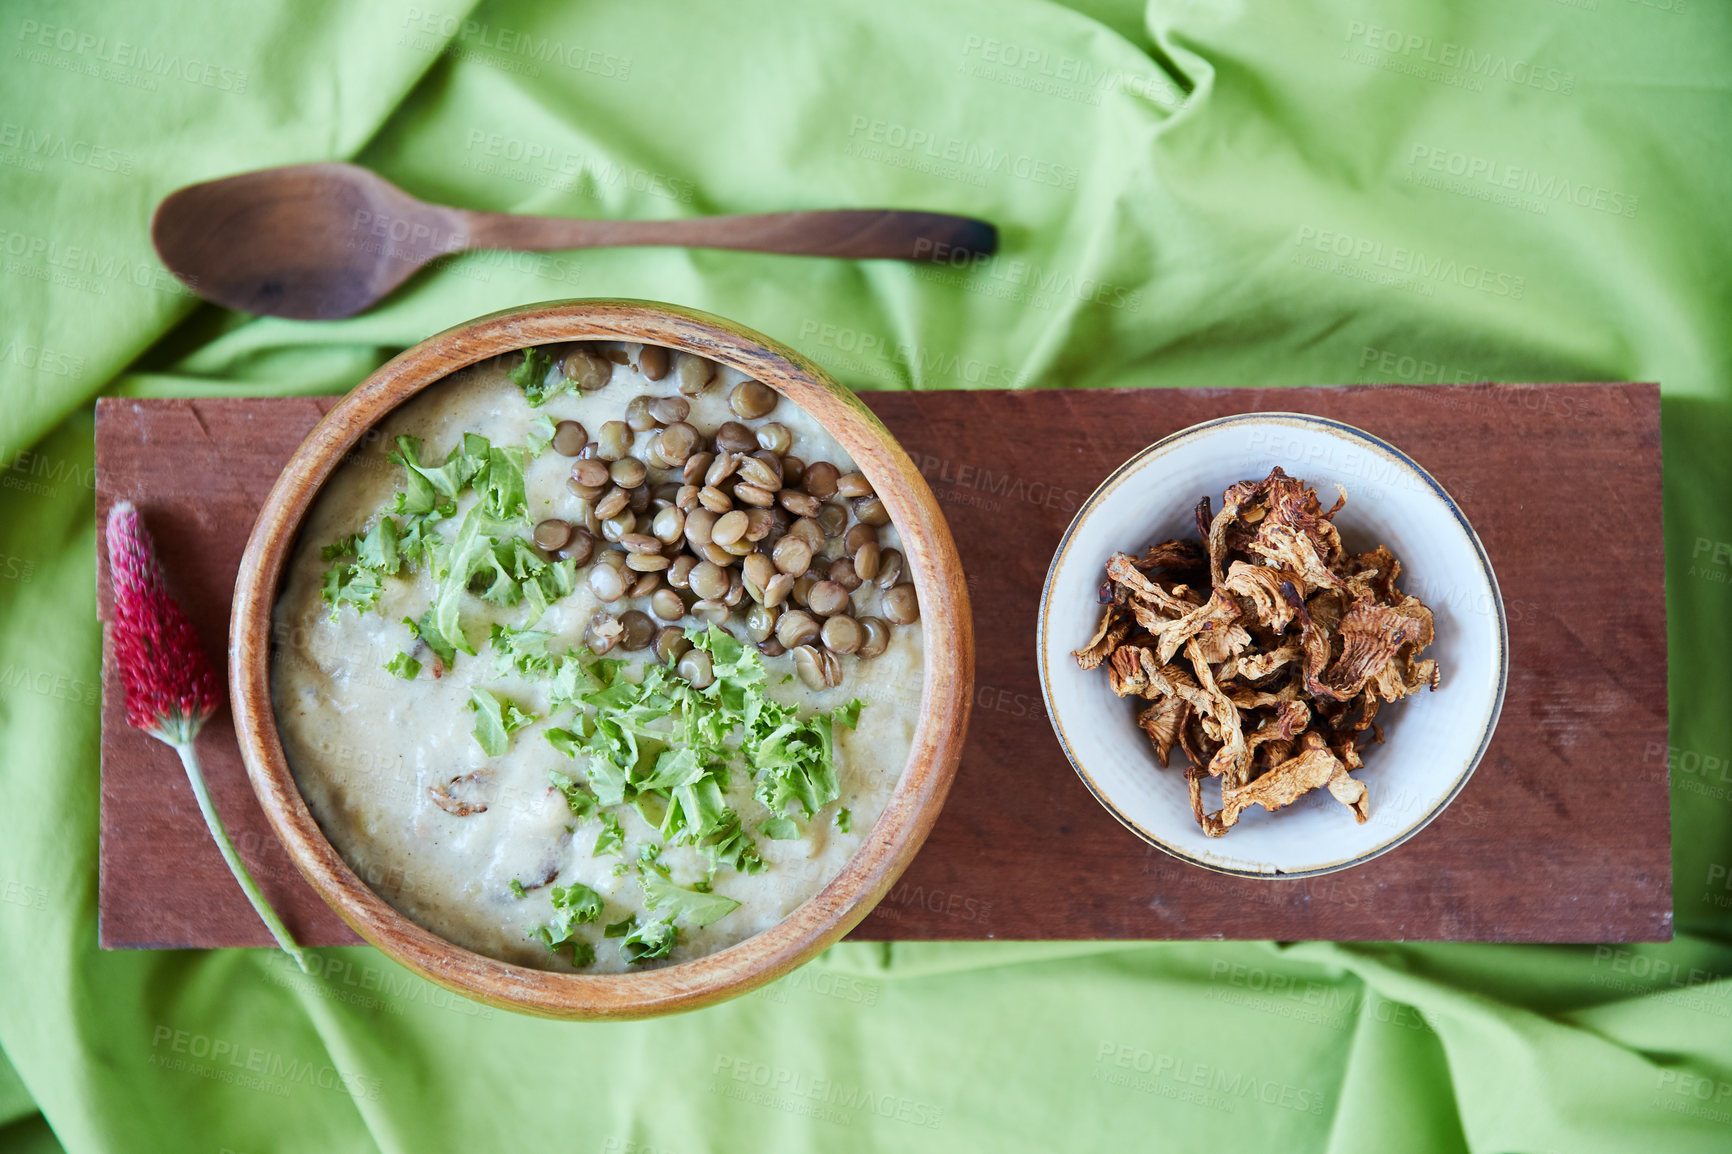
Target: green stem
x=195, y=775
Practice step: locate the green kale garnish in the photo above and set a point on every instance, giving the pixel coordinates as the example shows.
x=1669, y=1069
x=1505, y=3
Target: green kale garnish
x=500, y=483
x=779, y=829
x=665, y=747
x=403, y=666
x=794, y=761
x=520, y=650
x=487, y=556
x=360, y=562
x=579, y=800
x=495, y=721
x=348, y=584
x=423, y=631
x=378, y=549
x=434, y=489
x=730, y=846
x=648, y=941
x=573, y=905
x=650, y=857
x=540, y=435
x=689, y=907
x=531, y=375
x=611, y=838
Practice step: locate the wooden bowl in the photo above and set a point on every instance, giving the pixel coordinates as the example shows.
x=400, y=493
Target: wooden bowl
x=931, y=558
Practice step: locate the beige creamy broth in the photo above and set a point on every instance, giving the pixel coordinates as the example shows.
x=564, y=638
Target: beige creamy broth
x=365, y=746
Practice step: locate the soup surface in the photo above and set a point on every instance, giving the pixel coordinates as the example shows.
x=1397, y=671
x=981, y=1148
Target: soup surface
x=550, y=747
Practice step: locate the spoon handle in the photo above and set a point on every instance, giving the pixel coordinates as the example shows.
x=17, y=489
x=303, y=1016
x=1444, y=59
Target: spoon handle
x=886, y=234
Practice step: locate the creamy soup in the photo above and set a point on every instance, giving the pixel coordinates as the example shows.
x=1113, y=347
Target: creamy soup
x=536, y=800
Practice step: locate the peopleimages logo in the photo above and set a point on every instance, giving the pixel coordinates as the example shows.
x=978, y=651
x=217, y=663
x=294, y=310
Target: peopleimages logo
x=1404, y=261
x=1500, y=175
x=37, y=143
x=1057, y=74
x=565, y=168
x=99, y=49
x=919, y=360
x=47, y=683
x=783, y=1088
x=1422, y=49
x=484, y=41
x=224, y=1059
x=1117, y=1062
x=1041, y=284
x=875, y=136
x=963, y=475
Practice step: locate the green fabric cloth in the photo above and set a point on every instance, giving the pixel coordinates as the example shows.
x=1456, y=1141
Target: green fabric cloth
x=1190, y=194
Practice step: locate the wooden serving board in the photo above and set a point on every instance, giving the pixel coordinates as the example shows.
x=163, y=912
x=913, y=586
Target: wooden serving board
x=1561, y=835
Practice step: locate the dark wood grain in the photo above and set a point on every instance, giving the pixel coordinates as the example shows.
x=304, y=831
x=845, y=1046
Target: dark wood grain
x=1562, y=835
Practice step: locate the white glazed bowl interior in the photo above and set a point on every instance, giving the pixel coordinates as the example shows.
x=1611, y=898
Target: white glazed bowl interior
x=1432, y=740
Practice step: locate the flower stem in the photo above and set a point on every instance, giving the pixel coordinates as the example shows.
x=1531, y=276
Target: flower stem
x=195, y=775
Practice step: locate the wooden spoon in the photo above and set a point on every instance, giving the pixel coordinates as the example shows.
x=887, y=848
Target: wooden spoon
x=321, y=241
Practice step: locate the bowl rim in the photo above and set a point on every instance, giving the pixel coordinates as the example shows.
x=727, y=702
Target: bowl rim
x=1338, y=427
x=946, y=698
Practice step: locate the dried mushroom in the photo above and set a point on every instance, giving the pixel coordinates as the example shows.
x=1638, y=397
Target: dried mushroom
x=1264, y=650
x=449, y=797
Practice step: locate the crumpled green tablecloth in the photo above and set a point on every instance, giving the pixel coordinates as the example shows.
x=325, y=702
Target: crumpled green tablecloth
x=1191, y=193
